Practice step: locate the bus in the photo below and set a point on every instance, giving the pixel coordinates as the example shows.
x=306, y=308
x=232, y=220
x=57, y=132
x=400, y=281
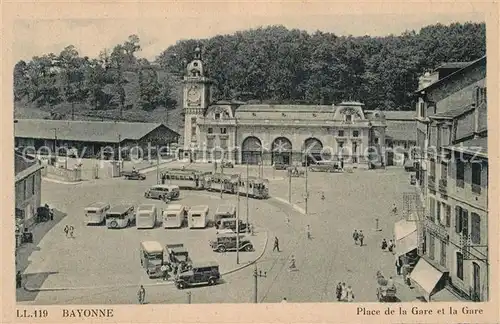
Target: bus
x=219, y=181
x=120, y=216
x=174, y=216
x=96, y=213
x=184, y=178
x=198, y=216
x=257, y=187
x=151, y=253
x=146, y=216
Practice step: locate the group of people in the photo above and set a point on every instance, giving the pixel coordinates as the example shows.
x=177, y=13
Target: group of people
x=344, y=293
x=358, y=237
x=388, y=246
x=69, y=231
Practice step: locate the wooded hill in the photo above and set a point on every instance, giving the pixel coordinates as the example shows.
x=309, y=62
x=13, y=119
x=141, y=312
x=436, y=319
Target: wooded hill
x=271, y=64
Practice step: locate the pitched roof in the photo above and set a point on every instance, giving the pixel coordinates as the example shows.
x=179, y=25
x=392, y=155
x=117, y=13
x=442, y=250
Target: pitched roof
x=285, y=108
x=479, y=61
x=91, y=131
x=453, y=65
x=394, y=114
x=24, y=165
x=477, y=146
x=450, y=114
x=401, y=130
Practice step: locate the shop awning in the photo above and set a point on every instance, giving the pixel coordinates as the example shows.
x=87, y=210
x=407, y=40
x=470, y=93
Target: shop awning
x=426, y=277
x=405, y=234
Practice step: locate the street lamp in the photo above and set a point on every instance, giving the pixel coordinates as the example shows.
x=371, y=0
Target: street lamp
x=238, y=222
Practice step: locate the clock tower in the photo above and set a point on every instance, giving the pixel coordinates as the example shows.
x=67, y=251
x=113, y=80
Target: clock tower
x=196, y=100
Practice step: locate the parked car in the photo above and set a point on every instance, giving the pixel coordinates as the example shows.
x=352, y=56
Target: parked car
x=230, y=223
x=410, y=165
x=280, y=166
x=227, y=242
x=227, y=164
x=199, y=273
x=133, y=175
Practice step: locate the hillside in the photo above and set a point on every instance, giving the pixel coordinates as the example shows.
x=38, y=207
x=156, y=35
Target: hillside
x=170, y=117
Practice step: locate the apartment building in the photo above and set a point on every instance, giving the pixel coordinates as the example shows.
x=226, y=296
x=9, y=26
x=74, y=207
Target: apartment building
x=452, y=174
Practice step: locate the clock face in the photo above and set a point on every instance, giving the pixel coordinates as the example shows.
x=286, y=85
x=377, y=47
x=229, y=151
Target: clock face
x=194, y=94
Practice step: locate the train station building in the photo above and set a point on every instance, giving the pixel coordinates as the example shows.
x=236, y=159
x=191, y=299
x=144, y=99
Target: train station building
x=288, y=134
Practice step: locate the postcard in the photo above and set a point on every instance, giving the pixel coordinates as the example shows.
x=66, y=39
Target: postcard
x=237, y=162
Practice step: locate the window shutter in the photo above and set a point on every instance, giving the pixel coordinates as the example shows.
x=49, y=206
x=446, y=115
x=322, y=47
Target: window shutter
x=458, y=219
x=465, y=222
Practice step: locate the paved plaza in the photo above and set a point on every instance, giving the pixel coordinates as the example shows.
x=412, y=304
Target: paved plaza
x=352, y=201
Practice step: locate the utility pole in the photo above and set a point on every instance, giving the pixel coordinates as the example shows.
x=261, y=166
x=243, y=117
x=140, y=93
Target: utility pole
x=307, y=192
x=248, y=227
x=256, y=275
x=157, y=165
x=238, y=222
x=290, y=187
x=222, y=180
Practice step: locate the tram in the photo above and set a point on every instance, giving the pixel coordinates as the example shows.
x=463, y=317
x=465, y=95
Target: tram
x=257, y=187
x=184, y=178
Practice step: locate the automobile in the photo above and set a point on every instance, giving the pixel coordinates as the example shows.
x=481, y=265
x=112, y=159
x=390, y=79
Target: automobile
x=280, y=166
x=230, y=223
x=227, y=164
x=409, y=166
x=133, y=175
x=177, y=256
x=227, y=242
x=163, y=192
x=198, y=273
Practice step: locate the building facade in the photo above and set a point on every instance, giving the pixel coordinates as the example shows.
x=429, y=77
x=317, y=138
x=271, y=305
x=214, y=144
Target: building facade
x=268, y=134
x=28, y=184
x=453, y=177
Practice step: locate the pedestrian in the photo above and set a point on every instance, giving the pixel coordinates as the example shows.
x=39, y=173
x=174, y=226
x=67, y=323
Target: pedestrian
x=164, y=270
x=349, y=294
x=287, y=220
x=394, y=209
x=308, y=231
x=355, y=236
x=361, y=237
x=342, y=164
x=399, y=264
x=343, y=294
x=70, y=231
x=284, y=300
x=292, y=266
x=276, y=244
x=66, y=230
x=391, y=246
x=19, y=279
x=384, y=245
x=338, y=291
x=141, y=294
x=322, y=196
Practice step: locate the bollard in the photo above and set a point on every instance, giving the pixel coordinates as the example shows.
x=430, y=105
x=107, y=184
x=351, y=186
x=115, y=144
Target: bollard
x=189, y=297
x=377, y=229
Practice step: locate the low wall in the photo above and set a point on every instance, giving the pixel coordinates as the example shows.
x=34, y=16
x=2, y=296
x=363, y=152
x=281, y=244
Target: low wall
x=64, y=174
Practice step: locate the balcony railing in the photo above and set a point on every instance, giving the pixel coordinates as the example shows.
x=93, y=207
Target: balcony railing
x=432, y=182
x=476, y=188
x=443, y=185
x=439, y=231
x=460, y=183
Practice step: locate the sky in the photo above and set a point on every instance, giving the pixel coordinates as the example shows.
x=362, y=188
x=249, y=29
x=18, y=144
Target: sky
x=33, y=37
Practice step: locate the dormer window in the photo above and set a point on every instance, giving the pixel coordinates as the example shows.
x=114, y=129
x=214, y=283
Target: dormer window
x=348, y=118
x=217, y=115
x=210, y=130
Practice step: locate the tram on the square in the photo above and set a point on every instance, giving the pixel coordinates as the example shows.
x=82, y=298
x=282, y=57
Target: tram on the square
x=184, y=178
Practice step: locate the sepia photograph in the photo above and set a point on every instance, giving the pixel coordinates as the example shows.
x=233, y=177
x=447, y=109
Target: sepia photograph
x=259, y=159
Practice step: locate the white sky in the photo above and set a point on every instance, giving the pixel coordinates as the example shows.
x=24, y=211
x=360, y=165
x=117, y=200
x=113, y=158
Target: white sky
x=90, y=36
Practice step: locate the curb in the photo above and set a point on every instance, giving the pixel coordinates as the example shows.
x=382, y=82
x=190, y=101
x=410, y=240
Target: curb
x=61, y=181
x=168, y=283
x=296, y=207
x=153, y=168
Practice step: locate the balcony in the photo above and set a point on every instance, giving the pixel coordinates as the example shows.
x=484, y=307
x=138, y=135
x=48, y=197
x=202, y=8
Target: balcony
x=439, y=231
x=460, y=183
x=476, y=189
x=443, y=186
x=432, y=182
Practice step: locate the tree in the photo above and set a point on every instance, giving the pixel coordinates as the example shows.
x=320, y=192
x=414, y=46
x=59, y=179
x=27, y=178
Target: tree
x=73, y=77
x=21, y=81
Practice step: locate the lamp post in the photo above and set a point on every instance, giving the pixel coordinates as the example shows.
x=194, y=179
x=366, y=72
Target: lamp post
x=248, y=227
x=256, y=275
x=157, y=165
x=238, y=222
x=55, y=141
x=307, y=192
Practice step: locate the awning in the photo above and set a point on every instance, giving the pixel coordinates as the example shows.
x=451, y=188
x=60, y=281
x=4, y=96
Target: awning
x=426, y=277
x=405, y=234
